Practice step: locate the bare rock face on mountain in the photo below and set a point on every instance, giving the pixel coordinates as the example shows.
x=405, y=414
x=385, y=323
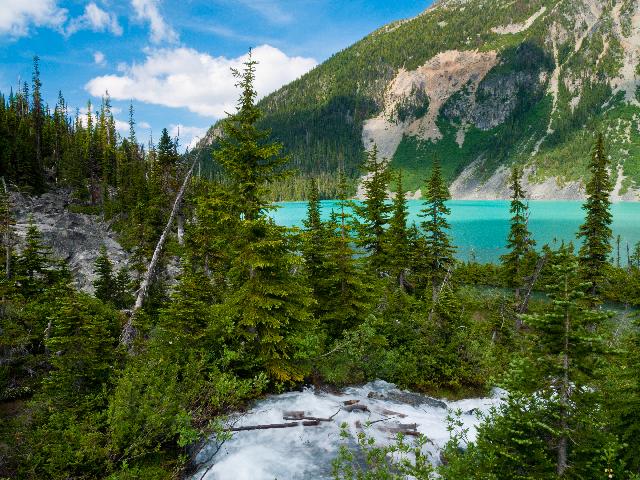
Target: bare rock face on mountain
x=73, y=237
x=480, y=84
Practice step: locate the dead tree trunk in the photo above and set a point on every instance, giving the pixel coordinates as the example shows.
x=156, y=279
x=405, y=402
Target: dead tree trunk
x=437, y=293
x=565, y=392
x=180, y=229
x=129, y=332
x=524, y=306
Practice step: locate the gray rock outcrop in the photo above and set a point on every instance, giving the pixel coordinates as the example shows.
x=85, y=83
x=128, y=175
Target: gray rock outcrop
x=73, y=237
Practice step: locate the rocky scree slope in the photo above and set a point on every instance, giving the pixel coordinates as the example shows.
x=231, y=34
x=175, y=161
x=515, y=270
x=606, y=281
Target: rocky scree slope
x=481, y=84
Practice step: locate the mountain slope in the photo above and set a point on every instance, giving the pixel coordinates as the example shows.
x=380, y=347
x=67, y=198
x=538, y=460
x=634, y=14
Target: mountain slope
x=480, y=84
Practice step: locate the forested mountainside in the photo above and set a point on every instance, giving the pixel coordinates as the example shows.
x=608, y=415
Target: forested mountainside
x=481, y=84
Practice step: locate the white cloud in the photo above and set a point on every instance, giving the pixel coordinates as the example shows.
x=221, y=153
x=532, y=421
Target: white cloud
x=99, y=59
x=147, y=10
x=95, y=19
x=183, y=77
x=16, y=16
x=189, y=136
x=122, y=127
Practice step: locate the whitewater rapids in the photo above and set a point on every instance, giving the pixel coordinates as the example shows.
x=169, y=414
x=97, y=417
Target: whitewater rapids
x=307, y=451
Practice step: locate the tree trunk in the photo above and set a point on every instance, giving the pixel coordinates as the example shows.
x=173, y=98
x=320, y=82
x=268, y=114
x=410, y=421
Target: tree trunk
x=129, y=332
x=524, y=306
x=564, y=394
x=437, y=292
x=180, y=229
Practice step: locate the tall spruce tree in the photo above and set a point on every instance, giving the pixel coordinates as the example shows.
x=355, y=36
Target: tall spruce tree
x=123, y=296
x=373, y=213
x=439, y=250
x=568, y=348
x=624, y=398
x=519, y=241
x=346, y=287
x=314, y=246
x=104, y=284
x=398, y=237
x=268, y=305
x=6, y=229
x=83, y=337
x=596, y=232
x=267, y=301
x=246, y=153
x=33, y=265
x=37, y=114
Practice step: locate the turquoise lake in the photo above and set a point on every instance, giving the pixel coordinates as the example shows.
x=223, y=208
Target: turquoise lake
x=480, y=227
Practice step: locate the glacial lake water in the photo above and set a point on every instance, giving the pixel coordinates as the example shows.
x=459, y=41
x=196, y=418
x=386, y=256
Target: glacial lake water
x=480, y=227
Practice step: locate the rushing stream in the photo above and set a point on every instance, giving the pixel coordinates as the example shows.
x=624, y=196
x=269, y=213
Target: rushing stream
x=303, y=452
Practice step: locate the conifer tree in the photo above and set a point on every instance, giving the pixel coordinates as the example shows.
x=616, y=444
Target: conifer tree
x=596, y=232
x=314, y=246
x=635, y=256
x=373, y=213
x=123, y=297
x=625, y=399
x=247, y=155
x=439, y=251
x=266, y=301
x=211, y=239
x=189, y=315
x=347, y=292
x=38, y=124
x=33, y=265
x=104, y=284
x=268, y=306
x=83, y=338
x=6, y=230
x=398, y=236
x=519, y=241
x=568, y=348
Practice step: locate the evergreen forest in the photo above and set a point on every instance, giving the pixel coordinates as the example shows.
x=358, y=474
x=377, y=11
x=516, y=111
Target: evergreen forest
x=128, y=382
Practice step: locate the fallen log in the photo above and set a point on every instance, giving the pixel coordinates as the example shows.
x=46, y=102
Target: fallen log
x=306, y=423
x=312, y=419
x=356, y=407
x=129, y=332
x=350, y=402
x=391, y=413
x=411, y=433
x=403, y=428
x=293, y=415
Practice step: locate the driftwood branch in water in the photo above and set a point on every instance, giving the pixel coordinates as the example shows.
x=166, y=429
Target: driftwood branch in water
x=306, y=423
x=312, y=419
x=129, y=332
x=356, y=407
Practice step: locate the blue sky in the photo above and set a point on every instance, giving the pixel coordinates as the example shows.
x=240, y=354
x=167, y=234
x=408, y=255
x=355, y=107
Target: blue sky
x=172, y=58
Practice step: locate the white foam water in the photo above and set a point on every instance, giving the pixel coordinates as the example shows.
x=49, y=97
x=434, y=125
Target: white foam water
x=304, y=452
